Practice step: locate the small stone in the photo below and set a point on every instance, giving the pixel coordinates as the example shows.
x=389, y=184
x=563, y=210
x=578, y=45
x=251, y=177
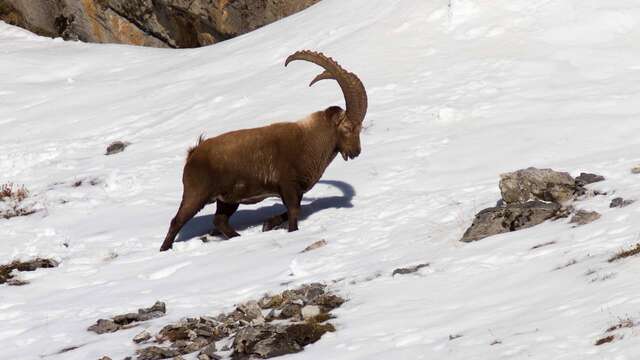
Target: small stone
x=409, y=270
x=116, y=147
x=270, y=302
x=620, y=202
x=310, y=311
x=291, y=311
x=142, y=337
x=103, y=326
x=209, y=351
x=316, y=245
x=17, y=282
x=635, y=169
x=156, y=353
x=587, y=178
x=249, y=311
x=105, y=358
x=583, y=217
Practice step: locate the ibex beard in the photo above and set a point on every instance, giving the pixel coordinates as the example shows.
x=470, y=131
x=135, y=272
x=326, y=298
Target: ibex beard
x=283, y=159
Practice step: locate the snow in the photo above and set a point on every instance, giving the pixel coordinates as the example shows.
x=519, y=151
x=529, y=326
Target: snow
x=459, y=92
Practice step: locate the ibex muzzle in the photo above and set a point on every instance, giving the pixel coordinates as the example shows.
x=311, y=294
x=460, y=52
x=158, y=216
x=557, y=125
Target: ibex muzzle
x=282, y=159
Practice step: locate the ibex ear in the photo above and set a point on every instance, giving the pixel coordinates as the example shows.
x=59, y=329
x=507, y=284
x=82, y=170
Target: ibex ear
x=335, y=114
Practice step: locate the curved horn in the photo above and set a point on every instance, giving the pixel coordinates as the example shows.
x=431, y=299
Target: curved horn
x=325, y=75
x=354, y=92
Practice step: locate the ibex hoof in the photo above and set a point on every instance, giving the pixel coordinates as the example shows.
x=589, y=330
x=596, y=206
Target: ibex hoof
x=271, y=225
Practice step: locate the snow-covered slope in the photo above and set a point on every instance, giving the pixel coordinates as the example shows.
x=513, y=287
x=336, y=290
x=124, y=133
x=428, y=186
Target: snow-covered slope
x=459, y=91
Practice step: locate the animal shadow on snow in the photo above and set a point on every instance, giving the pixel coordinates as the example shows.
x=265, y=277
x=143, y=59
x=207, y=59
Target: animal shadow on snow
x=243, y=219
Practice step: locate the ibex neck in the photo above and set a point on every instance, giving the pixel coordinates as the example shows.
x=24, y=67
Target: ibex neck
x=320, y=142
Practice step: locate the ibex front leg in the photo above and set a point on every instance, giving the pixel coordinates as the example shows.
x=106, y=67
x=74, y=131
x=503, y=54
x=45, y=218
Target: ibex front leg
x=291, y=197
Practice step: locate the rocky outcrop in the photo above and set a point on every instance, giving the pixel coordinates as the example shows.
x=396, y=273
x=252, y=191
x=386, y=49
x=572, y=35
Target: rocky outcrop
x=530, y=197
x=158, y=23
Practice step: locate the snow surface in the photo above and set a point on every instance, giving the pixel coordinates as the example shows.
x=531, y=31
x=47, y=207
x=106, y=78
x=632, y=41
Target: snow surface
x=460, y=91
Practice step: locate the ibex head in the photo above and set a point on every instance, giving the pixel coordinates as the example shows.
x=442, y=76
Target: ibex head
x=348, y=123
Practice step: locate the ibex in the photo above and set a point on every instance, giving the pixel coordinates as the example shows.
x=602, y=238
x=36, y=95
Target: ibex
x=282, y=159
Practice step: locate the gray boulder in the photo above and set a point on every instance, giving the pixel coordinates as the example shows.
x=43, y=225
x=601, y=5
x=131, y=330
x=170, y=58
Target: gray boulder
x=537, y=184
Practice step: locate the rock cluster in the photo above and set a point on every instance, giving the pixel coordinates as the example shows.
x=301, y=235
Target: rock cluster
x=529, y=197
x=166, y=23
x=272, y=326
x=7, y=274
x=129, y=320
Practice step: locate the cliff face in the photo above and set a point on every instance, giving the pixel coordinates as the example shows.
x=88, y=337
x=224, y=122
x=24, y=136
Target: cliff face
x=158, y=23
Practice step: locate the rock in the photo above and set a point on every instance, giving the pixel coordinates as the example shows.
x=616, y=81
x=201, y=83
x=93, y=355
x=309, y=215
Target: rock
x=620, y=202
x=142, y=337
x=583, y=217
x=310, y=312
x=270, y=302
x=587, y=178
x=248, y=312
x=328, y=302
x=209, y=351
x=177, y=332
x=156, y=353
x=537, y=184
x=103, y=326
x=635, y=169
x=125, y=321
x=498, y=220
x=409, y=270
x=316, y=245
x=105, y=358
x=291, y=311
x=116, y=147
x=268, y=341
x=6, y=271
x=166, y=23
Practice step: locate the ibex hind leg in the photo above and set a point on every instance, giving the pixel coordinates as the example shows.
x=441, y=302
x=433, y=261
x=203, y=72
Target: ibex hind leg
x=189, y=207
x=221, y=219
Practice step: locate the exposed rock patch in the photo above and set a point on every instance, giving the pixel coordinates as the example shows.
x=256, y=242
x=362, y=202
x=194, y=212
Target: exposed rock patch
x=129, y=320
x=7, y=271
x=620, y=202
x=274, y=325
x=588, y=178
x=167, y=23
x=408, y=270
x=583, y=217
x=635, y=169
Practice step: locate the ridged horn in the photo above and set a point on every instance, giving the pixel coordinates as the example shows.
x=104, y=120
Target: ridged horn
x=355, y=95
x=325, y=75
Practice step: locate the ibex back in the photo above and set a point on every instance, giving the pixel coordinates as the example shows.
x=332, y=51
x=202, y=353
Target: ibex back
x=282, y=159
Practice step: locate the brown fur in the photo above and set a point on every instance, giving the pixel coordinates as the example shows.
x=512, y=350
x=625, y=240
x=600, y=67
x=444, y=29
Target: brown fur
x=246, y=166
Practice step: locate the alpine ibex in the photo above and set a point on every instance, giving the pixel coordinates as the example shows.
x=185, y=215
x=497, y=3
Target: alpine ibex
x=281, y=159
